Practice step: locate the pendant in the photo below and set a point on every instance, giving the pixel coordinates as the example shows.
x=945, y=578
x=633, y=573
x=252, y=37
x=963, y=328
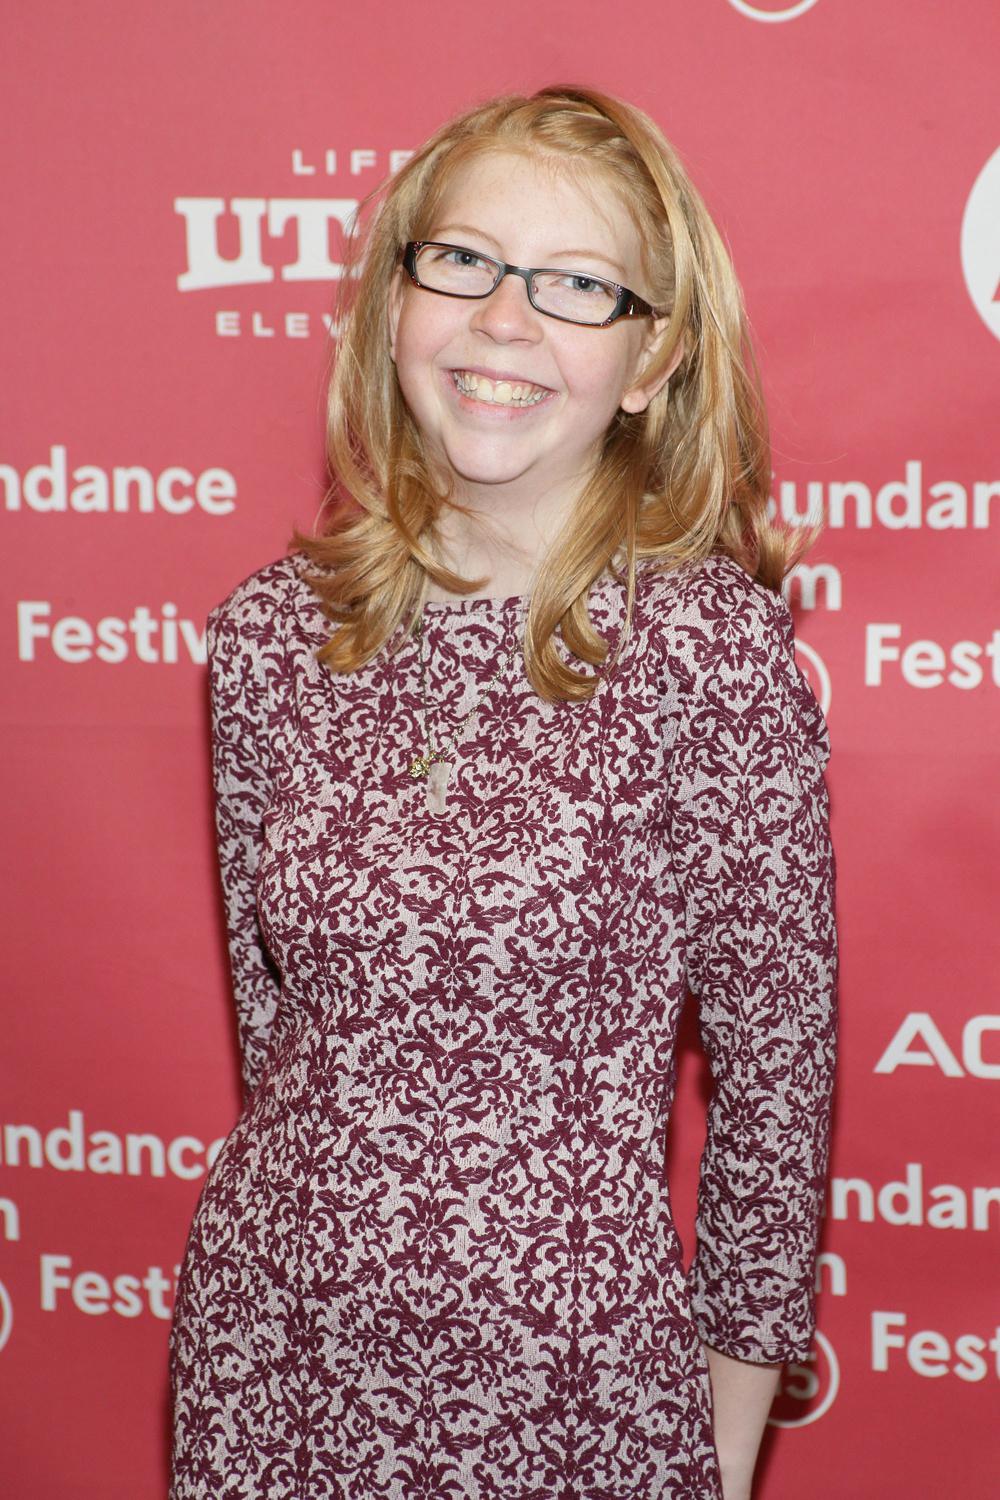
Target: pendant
x=435, y=769
x=421, y=764
x=437, y=784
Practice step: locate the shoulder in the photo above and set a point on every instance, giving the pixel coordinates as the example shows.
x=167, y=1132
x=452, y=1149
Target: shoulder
x=247, y=634
x=728, y=643
x=703, y=612
x=259, y=602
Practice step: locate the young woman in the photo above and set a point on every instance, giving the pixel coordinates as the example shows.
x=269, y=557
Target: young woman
x=554, y=764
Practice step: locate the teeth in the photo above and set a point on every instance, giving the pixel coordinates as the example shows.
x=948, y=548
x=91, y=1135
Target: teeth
x=502, y=393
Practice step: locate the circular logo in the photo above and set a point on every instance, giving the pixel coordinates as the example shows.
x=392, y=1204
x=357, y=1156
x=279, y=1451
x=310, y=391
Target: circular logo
x=808, y=1390
x=981, y=244
x=6, y=1315
x=779, y=13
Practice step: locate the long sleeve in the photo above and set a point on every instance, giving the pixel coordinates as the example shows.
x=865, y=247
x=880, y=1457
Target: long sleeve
x=750, y=839
x=241, y=774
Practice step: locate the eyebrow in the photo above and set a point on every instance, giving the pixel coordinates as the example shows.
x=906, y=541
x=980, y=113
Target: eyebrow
x=555, y=255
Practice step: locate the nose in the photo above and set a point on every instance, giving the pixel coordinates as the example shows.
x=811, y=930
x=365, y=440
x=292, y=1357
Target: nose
x=507, y=312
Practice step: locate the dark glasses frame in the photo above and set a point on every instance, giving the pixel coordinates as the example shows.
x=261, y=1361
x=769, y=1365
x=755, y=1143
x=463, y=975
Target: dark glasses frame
x=628, y=304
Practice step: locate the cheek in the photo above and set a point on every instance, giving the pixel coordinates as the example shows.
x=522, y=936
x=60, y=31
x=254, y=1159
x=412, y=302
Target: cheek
x=424, y=326
x=410, y=342
x=596, y=368
x=598, y=390
x=414, y=351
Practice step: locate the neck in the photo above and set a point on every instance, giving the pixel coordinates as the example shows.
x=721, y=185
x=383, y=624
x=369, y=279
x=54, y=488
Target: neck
x=503, y=545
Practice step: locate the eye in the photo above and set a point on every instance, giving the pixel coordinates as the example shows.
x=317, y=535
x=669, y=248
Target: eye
x=461, y=258
x=587, y=284
x=455, y=269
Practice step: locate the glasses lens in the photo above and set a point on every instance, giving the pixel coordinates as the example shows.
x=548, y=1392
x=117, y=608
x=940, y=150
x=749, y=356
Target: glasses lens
x=568, y=294
x=447, y=268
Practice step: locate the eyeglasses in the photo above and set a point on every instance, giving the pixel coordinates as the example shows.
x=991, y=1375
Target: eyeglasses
x=571, y=296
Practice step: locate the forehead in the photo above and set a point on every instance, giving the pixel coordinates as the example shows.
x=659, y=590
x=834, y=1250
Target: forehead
x=533, y=206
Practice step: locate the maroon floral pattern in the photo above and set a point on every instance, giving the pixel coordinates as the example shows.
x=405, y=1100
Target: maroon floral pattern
x=435, y=1256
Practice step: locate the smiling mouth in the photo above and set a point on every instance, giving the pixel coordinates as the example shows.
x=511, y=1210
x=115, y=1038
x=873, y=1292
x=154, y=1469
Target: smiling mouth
x=499, y=392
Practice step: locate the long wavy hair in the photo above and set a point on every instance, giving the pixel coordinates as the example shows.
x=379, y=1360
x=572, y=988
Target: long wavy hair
x=687, y=477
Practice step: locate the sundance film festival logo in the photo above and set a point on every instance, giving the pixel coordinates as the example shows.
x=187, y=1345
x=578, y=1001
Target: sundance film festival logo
x=981, y=244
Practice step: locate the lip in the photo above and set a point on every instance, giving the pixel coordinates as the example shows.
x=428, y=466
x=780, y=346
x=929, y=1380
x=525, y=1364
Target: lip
x=496, y=375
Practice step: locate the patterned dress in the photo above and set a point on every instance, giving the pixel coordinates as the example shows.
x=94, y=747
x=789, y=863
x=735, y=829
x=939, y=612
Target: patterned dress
x=435, y=1256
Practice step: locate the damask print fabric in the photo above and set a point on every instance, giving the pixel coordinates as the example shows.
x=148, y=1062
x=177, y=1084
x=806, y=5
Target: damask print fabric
x=435, y=1256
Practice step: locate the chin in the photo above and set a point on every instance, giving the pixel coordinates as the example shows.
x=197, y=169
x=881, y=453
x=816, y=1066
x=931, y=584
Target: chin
x=479, y=473
x=489, y=476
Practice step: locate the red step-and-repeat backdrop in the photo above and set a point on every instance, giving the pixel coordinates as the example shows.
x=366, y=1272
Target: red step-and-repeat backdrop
x=176, y=183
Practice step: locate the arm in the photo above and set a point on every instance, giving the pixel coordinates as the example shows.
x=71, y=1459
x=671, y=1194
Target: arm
x=741, y=1398
x=749, y=826
x=241, y=780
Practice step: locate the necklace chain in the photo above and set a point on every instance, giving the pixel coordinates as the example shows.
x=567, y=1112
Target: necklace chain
x=421, y=764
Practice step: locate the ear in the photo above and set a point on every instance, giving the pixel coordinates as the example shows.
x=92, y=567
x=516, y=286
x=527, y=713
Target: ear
x=395, y=303
x=637, y=397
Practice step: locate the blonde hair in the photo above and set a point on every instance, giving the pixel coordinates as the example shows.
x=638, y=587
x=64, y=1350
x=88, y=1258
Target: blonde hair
x=687, y=477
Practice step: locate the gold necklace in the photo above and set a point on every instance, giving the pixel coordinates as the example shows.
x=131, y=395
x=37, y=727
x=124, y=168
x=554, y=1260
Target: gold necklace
x=421, y=764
